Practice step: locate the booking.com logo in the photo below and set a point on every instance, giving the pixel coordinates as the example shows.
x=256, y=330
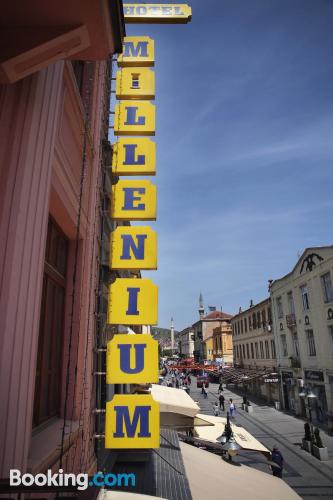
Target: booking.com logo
x=80, y=481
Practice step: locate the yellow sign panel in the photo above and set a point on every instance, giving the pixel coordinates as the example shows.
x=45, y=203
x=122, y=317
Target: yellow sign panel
x=132, y=422
x=132, y=302
x=133, y=248
x=134, y=118
x=134, y=157
x=137, y=51
x=135, y=83
x=157, y=13
x=133, y=200
x=132, y=359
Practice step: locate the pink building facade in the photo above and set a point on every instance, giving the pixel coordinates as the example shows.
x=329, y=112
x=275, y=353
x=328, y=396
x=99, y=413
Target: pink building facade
x=53, y=120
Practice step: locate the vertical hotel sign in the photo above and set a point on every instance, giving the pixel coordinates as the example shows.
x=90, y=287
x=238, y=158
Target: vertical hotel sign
x=133, y=421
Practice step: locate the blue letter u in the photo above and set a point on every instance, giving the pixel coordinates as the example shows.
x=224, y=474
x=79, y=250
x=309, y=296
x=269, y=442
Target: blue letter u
x=125, y=357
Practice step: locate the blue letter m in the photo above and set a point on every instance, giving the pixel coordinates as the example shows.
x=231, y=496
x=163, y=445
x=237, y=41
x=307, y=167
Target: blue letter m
x=140, y=50
x=122, y=417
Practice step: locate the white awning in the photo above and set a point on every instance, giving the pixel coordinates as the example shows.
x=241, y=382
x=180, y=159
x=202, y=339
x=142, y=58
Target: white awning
x=242, y=436
x=173, y=400
x=211, y=477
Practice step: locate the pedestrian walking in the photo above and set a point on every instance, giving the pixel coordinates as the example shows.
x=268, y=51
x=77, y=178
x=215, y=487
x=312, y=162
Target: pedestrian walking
x=205, y=392
x=189, y=380
x=278, y=459
x=220, y=389
x=221, y=400
x=232, y=408
x=216, y=409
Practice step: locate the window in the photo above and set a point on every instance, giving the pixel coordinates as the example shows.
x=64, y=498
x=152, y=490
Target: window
x=247, y=351
x=250, y=323
x=238, y=328
x=49, y=356
x=305, y=297
x=330, y=332
x=269, y=314
x=296, y=345
x=279, y=307
x=242, y=330
x=262, y=355
x=291, y=305
x=263, y=315
x=245, y=324
x=284, y=346
x=258, y=319
x=267, y=349
x=257, y=352
x=273, y=349
x=243, y=351
x=254, y=321
x=252, y=351
x=311, y=343
x=327, y=287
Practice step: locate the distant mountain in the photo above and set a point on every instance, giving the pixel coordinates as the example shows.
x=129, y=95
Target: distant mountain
x=163, y=335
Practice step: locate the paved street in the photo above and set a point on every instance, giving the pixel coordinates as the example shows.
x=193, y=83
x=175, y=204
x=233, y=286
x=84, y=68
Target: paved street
x=309, y=477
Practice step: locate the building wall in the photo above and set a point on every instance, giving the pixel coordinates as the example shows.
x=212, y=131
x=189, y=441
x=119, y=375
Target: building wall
x=41, y=155
x=222, y=342
x=298, y=363
x=254, y=346
x=186, y=343
x=208, y=349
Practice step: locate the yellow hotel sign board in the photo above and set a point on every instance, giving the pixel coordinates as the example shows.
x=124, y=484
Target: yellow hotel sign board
x=170, y=13
x=134, y=156
x=133, y=200
x=132, y=422
x=132, y=359
x=137, y=51
x=135, y=83
x=132, y=302
x=133, y=247
x=134, y=118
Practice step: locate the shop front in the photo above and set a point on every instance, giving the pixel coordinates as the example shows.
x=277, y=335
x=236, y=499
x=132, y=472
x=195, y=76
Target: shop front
x=314, y=379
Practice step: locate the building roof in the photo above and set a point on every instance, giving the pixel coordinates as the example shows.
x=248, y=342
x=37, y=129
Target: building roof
x=218, y=315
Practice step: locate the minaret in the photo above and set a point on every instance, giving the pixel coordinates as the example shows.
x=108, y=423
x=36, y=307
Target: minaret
x=201, y=309
x=172, y=329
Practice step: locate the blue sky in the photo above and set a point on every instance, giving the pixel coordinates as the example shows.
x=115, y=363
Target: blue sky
x=244, y=147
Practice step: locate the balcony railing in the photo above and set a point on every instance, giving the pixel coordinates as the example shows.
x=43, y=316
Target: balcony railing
x=291, y=320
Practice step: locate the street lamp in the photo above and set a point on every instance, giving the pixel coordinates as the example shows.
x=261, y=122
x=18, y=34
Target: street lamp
x=308, y=396
x=231, y=447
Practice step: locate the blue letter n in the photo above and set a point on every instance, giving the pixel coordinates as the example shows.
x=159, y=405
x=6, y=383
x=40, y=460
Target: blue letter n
x=129, y=244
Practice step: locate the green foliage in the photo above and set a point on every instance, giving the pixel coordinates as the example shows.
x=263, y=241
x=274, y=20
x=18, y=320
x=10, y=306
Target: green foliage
x=318, y=440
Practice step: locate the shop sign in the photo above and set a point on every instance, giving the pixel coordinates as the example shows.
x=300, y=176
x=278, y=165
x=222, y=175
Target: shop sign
x=272, y=380
x=137, y=51
x=132, y=359
x=133, y=248
x=157, y=13
x=134, y=156
x=314, y=375
x=135, y=83
x=133, y=200
x=132, y=302
x=132, y=421
x=134, y=118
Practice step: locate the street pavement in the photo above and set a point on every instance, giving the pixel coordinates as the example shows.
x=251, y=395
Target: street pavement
x=309, y=477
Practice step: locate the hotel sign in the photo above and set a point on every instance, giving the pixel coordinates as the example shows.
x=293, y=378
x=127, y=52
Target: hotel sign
x=133, y=420
x=157, y=13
